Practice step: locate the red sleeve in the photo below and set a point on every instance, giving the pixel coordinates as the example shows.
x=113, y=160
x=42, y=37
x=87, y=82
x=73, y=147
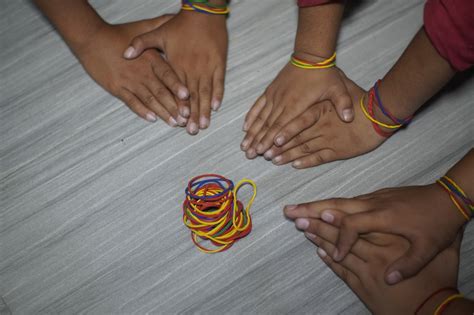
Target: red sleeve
x=310, y=3
x=450, y=26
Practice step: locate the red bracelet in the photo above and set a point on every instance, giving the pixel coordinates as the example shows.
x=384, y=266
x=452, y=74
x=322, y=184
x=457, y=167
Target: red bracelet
x=433, y=294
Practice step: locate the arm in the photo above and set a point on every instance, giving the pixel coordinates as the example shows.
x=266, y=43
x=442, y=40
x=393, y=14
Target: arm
x=146, y=85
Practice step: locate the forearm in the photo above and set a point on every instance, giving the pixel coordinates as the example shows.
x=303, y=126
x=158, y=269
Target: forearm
x=318, y=28
x=416, y=77
x=75, y=20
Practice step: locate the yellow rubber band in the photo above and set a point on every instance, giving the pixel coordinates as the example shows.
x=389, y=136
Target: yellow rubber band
x=456, y=203
x=249, y=204
x=187, y=7
x=373, y=119
x=328, y=63
x=447, y=301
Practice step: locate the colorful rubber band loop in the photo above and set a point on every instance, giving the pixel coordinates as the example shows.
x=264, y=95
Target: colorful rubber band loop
x=300, y=63
x=464, y=213
x=372, y=119
x=199, y=6
x=439, y=310
x=212, y=212
x=432, y=295
x=386, y=112
x=458, y=191
x=370, y=109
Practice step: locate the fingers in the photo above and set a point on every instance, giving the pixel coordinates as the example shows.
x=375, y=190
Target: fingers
x=152, y=39
x=316, y=208
x=315, y=159
x=170, y=79
x=353, y=225
x=148, y=99
x=342, y=272
x=416, y=257
x=164, y=97
x=136, y=105
x=192, y=126
x=300, y=151
x=343, y=102
x=276, y=121
x=353, y=263
x=256, y=126
x=254, y=112
x=330, y=234
x=297, y=125
x=218, y=83
x=205, y=92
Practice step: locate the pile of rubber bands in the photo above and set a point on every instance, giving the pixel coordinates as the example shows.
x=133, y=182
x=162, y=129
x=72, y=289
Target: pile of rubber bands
x=203, y=6
x=212, y=212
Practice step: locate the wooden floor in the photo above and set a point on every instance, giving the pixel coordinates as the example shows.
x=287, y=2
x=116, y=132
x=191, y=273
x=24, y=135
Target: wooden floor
x=90, y=217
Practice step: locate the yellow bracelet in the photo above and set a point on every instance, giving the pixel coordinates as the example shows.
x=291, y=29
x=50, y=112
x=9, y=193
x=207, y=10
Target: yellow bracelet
x=373, y=119
x=456, y=203
x=448, y=300
x=328, y=63
x=200, y=8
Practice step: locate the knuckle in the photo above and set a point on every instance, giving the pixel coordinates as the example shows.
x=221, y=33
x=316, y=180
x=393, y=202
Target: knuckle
x=305, y=148
x=149, y=99
x=167, y=75
x=317, y=159
x=205, y=90
x=161, y=92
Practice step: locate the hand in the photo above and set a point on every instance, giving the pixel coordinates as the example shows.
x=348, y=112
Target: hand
x=318, y=136
x=195, y=45
x=292, y=92
x=143, y=84
x=363, y=267
x=423, y=215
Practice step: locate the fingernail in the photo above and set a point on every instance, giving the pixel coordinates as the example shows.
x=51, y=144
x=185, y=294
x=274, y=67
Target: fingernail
x=215, y=105
x=280, y=140
x=310, y=235
x=277, y=160
x=296, y=164
x=347, y=114
x=244, y=144
x=182, y=121
x=302, y=223
x=193, y=128
x=246, y=126
x=260, y=148
x=290, y=207
x=268, y=155
x=251, y=154
x=185, y=112
x=321, y=252
x=394, y=277
x=183, y=93
x=203, y=123
x=151, y=117
x=327, y=217
x=129, y=52
x=172, y=122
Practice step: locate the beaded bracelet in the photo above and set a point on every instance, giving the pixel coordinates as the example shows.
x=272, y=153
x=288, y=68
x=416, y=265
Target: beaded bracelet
x=454, y=191
x=303, y=64
x=203, y=6
x=439, y=310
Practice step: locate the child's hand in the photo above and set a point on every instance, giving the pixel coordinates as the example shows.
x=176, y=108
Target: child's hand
x=195, y=45
x=292, y=92
x=424, y=215
x=362, y=270
x=318, y=136
x=143, y=84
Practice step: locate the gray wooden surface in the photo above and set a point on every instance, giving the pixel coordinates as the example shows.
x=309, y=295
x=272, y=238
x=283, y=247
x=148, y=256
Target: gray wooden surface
x=90, y=216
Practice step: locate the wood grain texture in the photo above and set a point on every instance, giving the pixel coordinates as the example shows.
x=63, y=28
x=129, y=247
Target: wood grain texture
x=90, y=206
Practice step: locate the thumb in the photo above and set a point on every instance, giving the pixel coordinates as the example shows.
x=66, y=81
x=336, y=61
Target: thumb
x=416, y=257
x=152, y=39
x=160, y=20
x=342, y=101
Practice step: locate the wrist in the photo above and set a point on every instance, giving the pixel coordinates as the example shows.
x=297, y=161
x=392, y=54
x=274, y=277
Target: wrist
x=448, y=210
x=432, y=304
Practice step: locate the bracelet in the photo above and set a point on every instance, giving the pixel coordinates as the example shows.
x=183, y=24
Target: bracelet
x=370, y=109
x=386, y=112
x=439, y=310
x=454, y=191
x=372, y=119
x=300, y=63
x=203, y=6
x=432, y=295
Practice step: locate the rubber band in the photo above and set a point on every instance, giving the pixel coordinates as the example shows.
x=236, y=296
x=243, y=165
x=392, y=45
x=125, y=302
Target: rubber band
x=458, y=191
x=372, y=119
x=386, y=112
x=432, y=295
x=300, y=63
x=453, y=199
x=446, y=302
x=204, y=7
x=213, y=213
x=370, y=109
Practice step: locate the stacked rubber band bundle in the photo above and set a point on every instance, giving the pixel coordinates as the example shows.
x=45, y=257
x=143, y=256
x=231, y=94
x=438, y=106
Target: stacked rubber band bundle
x=300, y=63
x=458, y=197
x=212, y=212
x=203, y=6
x=374, y=97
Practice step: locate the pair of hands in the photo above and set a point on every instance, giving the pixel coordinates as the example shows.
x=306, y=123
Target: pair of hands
x=180, y=87
x=420, y=243
x=306, y=117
